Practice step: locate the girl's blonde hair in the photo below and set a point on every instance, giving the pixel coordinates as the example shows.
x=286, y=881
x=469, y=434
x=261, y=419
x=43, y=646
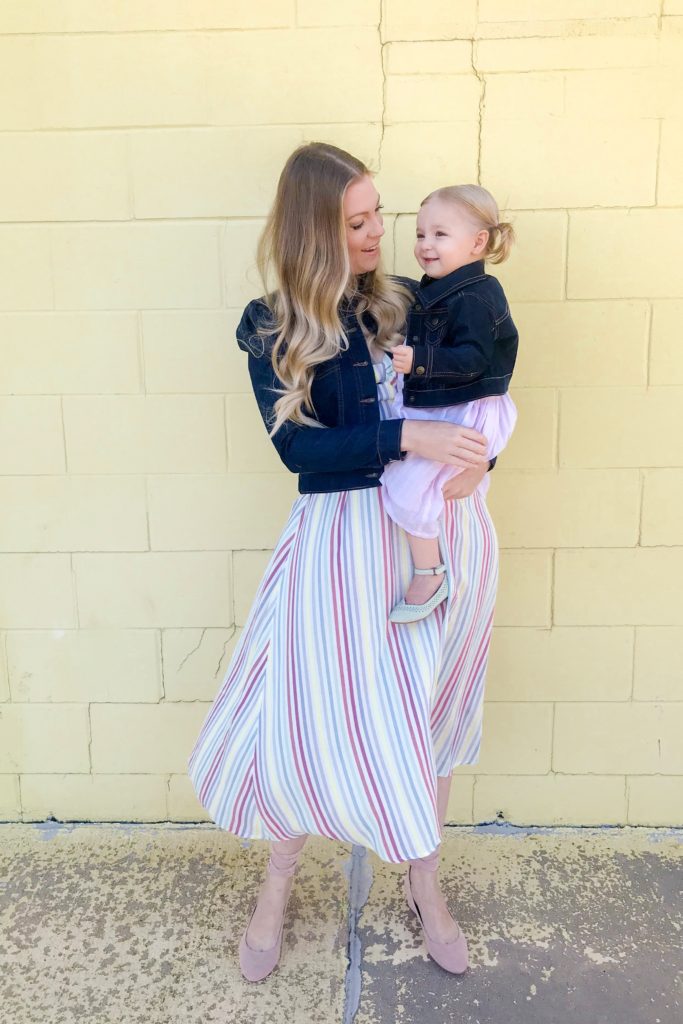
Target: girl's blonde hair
x=303, y=252
x=482, y=207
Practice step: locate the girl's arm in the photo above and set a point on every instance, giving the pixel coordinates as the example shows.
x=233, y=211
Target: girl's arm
x=471, y=326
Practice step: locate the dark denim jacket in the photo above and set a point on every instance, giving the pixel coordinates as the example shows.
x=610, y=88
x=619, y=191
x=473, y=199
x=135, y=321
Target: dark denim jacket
x=354, y=445
x=464, y=339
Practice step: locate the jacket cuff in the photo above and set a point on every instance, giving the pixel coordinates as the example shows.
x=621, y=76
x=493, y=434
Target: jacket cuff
x=420, y=367
x=389, y=441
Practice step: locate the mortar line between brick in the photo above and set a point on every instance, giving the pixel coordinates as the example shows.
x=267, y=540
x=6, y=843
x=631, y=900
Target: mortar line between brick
x=383, y=59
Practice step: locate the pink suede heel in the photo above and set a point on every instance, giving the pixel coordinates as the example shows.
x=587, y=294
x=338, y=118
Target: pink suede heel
x=452, y=956
x=257, y=964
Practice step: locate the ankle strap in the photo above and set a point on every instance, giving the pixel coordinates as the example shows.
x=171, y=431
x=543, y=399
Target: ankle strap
x=435, y=571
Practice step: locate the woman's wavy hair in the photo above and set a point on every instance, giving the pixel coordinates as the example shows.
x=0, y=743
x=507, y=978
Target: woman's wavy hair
x=303, y=260
x=483, y=209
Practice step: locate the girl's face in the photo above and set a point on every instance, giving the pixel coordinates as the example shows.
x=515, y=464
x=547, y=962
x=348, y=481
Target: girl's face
x=447, y=238
x=364, y=224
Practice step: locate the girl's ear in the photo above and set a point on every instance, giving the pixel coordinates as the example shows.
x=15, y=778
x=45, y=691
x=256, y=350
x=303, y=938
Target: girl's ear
x=481, y=240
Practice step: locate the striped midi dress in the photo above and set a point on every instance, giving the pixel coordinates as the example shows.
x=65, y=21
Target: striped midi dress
x=330, y=719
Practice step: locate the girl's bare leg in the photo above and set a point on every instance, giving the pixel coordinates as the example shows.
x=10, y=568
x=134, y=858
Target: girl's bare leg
x=265, y=924
x=425, y=883
x=426, y=555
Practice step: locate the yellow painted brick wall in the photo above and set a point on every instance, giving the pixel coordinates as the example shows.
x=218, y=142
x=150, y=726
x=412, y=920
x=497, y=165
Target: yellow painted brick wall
x=140, y=143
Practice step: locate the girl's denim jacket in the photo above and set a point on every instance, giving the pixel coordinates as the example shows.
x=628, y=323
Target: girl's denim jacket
x=351, y=449
x=463, y=337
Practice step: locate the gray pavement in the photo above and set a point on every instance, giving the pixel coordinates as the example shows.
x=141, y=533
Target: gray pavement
x=140, y=923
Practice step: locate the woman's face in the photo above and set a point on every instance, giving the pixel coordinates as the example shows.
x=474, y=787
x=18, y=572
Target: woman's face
x=364, y=224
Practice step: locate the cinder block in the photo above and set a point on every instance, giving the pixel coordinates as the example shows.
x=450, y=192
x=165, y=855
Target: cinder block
x=241, y=280
x=44, y=738
x=102, y=80
x=420, y=98
x=663, y=507
x=523, y=98
x=25, y=270
x=655, y=800
x=572, y=508
x=84, y=666
x=613, y=163
x=31, y=435
x=10, y=804
x=145, y=434
x=441, y=19
x=36, y=592
x=560, y=664
x=193, y=351
x=136, y=266
x=406, y=177
x=94, y=797
x=516, y=740
x=622, y=233
x=657, y=672
x=207, y=180
x=130, y=16
x=154, y=589
x=183, y=804
x=362, y=140
x=4, y=682
x=445, y=57
x=535, y=270
x=459, y=810
x=666, y=351
x=249, y=568
x=80, y=513
x=547, y=10
x=63, y=176
x=551, y=799
x=213, y=513
x=548, y=54
x=69, y=353
x=614, y=587
x=329, y=12
x=533, y=444
x=250, y=450
x=525, y=588
x=618, y=739
x=615, y=93
x=311, y=77
x=615, y=427
x=159, y=737
x=195, y=661
x=582, y=344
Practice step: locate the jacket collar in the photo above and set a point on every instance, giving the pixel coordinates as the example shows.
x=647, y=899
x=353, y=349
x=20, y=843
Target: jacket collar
x=433, y=290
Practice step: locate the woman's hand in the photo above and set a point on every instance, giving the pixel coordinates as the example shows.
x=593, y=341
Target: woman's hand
x=464, y=484
x=463, y=447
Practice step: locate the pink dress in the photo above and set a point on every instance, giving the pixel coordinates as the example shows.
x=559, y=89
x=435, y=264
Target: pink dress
x=412, y=487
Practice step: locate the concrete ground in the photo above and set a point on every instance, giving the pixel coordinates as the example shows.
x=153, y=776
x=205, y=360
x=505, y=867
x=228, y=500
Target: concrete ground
x=120, y=924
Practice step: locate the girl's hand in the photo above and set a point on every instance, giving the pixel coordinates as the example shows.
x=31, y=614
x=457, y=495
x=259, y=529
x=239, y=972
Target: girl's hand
x=402, y=357
x=444, y=442
x=464, y=484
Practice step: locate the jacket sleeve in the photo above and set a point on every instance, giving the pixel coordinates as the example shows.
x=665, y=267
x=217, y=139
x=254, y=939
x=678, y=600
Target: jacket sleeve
x=308, y=449
x=468, y=345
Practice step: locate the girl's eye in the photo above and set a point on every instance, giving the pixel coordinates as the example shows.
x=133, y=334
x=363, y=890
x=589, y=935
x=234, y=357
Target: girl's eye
x=441, y=234
x=379, y=207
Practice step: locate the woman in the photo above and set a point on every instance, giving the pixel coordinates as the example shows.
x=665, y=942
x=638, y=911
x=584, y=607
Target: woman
x=331, y=720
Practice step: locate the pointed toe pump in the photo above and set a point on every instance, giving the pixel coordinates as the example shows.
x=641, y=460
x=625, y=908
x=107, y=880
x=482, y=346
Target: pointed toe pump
x=404, y=612
x=452, y=956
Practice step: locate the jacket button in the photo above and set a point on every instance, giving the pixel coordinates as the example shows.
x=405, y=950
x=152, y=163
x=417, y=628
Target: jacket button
x=420, y=370
x=416, y=337
x=434, y=321
x=417, y=307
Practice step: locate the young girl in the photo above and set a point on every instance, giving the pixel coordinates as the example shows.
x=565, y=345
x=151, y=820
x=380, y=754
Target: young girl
x=455, y=364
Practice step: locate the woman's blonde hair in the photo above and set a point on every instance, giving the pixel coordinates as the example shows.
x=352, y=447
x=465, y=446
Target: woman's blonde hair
x=303, y=251
x=482, y=207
